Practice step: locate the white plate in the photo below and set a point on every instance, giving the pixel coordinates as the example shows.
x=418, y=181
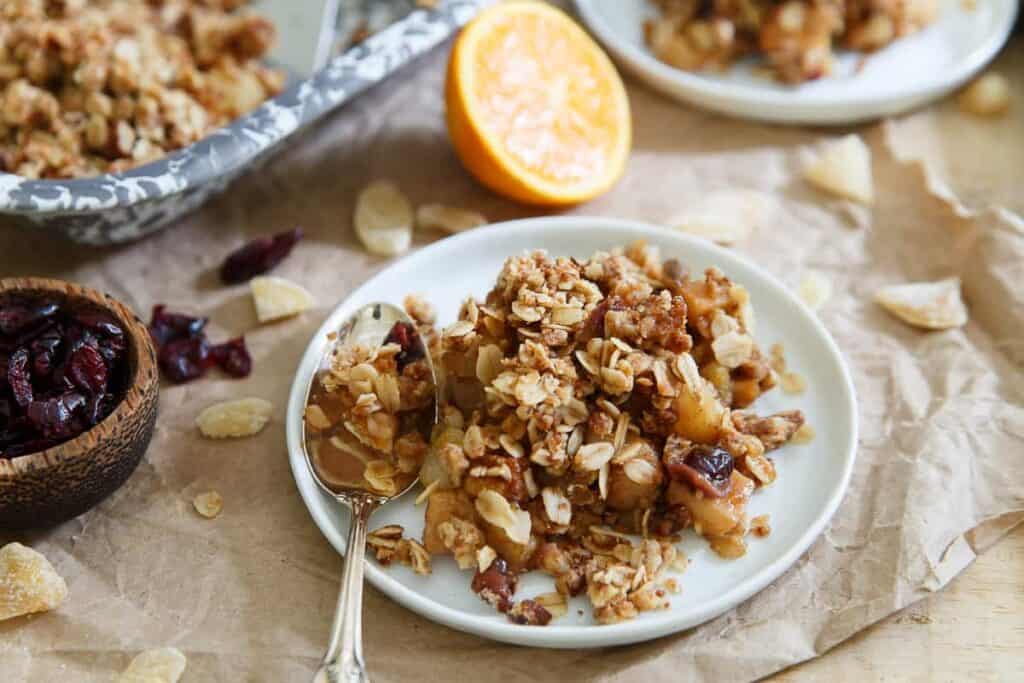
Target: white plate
x=909, y=73
x=812, y=478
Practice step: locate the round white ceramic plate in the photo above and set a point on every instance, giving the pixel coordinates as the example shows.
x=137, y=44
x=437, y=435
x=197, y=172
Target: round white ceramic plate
x=909, y=73
x=812, y=478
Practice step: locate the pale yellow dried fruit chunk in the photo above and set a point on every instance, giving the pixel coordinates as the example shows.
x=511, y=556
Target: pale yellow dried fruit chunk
x=815, y=290
x=28, y=582
x=726, y=216
x=449, y=219
x=803, y=435
x=276, y=298
x=208, y=504
x=988, y=95
x=243, y=417
x=843, y=167
x=929, y=305
x=383, y=219
x=161, y=665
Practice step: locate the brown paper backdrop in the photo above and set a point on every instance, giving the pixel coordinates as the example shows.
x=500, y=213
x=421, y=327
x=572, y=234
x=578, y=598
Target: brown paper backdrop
x=249, y=596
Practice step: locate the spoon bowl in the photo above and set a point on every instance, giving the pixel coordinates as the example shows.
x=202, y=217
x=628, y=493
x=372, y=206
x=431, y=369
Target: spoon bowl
x=350, y=462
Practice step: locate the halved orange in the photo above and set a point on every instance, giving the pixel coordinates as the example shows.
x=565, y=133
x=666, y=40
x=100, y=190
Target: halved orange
x=536, y=110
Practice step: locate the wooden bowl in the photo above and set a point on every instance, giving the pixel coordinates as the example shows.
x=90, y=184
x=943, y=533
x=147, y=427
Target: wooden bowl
x=47, y=487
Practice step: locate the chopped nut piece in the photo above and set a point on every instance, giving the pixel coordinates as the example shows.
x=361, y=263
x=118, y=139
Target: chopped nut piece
x=383, y=219
x=843, y=167
x=448, y=219
x=419, y=558
x=243, y=417
x=815, y=290
x=162, y=665
x=987, y=95
x=28, y=582
x=277, y=298
x=208, y=504
x=928, y=305
x=556, y=506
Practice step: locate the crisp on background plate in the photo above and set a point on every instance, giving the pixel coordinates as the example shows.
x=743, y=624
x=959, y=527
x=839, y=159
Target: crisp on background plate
x=911, y=72
x=812, y=478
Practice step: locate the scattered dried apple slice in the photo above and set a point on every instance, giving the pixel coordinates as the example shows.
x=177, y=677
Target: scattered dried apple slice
x=929, y=305
x=383, y=219
x=726, y=216
x=276, y=298
x=208, y=504
x=161, y=665
x=988, y=95
x=449, y=219
x=243, y=417
x=815, y=290
x=843, y=167
x=28, y=582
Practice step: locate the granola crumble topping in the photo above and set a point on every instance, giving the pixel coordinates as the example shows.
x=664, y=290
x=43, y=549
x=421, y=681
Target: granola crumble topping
x=588, y=403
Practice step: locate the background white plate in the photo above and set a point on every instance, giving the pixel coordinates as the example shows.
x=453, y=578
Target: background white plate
x=909, y=73
x=812, y=478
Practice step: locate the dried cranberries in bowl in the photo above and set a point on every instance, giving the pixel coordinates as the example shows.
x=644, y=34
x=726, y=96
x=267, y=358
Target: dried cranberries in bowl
x=63, y=369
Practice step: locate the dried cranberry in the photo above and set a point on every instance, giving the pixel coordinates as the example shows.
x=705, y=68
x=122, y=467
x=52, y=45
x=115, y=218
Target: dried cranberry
x=233, y=357
x=408, y=338
x=707, y=468
x=496, y=585
x=18, y=377
x=165, y=327
x=17, y=317
x=87, y=369
x=258, y=256
x=44, y=348
x=184, y=359
x=54, y=417
x=98, y=407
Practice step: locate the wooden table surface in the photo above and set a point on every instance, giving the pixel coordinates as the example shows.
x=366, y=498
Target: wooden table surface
x=973, y=630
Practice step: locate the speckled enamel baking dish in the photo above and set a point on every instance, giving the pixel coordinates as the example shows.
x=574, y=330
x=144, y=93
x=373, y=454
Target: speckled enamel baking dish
x=121, y=207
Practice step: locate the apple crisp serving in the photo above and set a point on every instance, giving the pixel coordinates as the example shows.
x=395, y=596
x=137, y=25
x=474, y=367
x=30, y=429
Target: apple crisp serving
x=590, y=403
x=796, y=37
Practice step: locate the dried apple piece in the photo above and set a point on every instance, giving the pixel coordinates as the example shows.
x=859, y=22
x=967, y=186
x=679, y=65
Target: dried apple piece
x=383, y=219
x=28, y=582
x=928, y=305
x=276, y=298
x=727, y=216
x=208, y=504
x=243, y=417
x=450, y=219
x=815, y=290
x=160, y=665
x=988, y=95
x=843, y=167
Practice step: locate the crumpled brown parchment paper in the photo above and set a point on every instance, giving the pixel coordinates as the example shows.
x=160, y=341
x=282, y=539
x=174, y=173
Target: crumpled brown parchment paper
x=249, y=596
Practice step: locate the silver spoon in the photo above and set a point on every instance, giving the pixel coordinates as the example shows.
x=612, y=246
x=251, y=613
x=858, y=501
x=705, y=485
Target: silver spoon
x=343, y=662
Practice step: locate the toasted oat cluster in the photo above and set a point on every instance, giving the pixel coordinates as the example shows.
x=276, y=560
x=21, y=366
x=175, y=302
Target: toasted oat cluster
x=588, y=404
x=797, y=37
x=364, y=416
x=100, y=86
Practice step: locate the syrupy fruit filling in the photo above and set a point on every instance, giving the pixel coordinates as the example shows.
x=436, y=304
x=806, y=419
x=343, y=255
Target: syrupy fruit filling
x=63, y=369
x=184, y=353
